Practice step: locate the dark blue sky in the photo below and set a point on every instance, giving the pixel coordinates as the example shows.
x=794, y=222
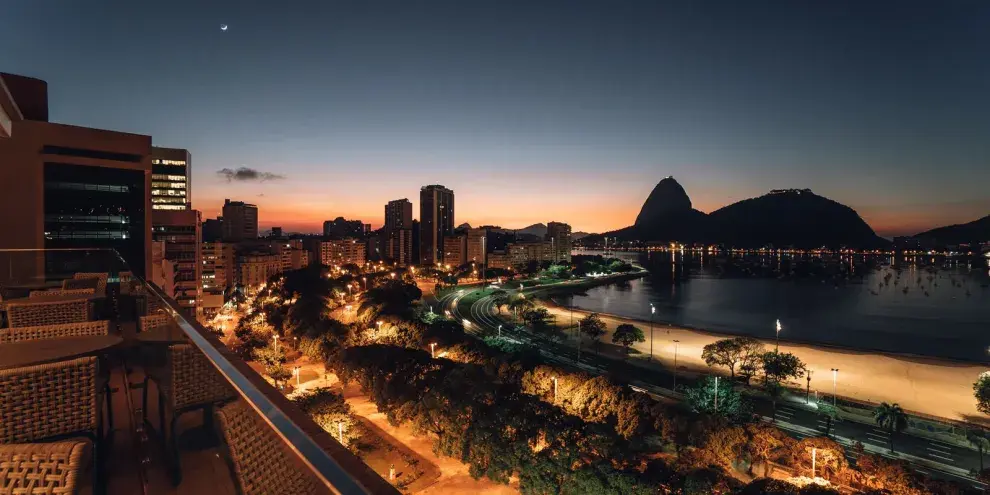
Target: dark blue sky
x=534, y=111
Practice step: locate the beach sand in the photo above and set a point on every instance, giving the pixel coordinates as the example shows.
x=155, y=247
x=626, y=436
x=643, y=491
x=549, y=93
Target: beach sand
x=919, y=384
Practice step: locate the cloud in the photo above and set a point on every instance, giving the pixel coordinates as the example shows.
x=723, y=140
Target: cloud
x=246, y=174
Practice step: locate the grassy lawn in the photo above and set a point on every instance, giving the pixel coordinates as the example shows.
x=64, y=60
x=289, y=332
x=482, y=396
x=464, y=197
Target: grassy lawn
x=381, y=452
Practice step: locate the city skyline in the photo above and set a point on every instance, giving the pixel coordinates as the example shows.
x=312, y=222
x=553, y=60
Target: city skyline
x=547, y=112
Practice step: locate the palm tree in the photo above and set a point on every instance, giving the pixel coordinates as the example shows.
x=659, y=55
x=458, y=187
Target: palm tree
x=891, y=418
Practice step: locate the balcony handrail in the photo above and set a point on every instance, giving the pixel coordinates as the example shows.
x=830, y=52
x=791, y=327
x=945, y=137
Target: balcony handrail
x=329, y=472
x=346, y=475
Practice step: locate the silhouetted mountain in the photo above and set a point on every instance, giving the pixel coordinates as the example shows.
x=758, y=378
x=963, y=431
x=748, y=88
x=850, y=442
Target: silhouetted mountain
x=791, y=217
x=537, y=229
x=975, y=231
x=666, y=216
x=579, y=235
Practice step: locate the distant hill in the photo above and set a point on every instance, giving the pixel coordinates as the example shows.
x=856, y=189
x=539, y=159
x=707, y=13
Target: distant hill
x=537, y=229
x=579, y=235
x=972, y=232
x=791, y=217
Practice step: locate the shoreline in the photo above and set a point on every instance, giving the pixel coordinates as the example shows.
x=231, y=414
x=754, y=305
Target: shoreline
x=928, y=387
x=907, y=356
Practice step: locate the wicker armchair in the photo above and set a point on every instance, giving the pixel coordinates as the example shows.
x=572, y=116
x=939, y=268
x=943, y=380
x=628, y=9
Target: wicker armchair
x=186, y=382
x=153, y=321
x=53, y=400
x=87, y=328
x=101, y=285
x=257, y=458
x=43, y=468
x=62, y=292
x=29, y=314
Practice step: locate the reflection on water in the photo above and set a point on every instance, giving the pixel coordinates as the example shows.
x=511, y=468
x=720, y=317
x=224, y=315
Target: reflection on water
x=936, y=307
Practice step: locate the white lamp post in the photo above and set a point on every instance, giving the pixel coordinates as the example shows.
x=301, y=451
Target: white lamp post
x=835, y=378
x=433, y=350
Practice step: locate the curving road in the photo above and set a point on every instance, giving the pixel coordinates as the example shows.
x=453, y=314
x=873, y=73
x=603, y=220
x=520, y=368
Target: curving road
x=929, y=457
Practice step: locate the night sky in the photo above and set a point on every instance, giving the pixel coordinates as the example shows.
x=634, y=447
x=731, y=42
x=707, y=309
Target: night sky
x=534, y=111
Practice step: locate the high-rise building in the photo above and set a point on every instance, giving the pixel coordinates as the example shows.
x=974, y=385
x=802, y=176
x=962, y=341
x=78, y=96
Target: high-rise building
x=477, y=244
x=559, y=237
x=398, y=246
x=340, y=228
x=181, y=232
x=455, y=250
x=436, y=217
x=240, y=221
x=218, y=268
x=398, y=214
x=64, y=186
x=171, y=179
x=338, y=252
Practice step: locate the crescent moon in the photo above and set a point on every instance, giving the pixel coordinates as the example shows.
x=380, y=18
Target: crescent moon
x=223, y=27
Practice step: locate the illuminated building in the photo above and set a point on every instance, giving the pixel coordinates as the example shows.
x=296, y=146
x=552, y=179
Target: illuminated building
x=455, y=250
x=338, y=252
x=180, y=231
x=171, y=179
x=559, y=237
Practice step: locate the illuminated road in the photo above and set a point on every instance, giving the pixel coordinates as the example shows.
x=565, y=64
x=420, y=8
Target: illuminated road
x=930, y=457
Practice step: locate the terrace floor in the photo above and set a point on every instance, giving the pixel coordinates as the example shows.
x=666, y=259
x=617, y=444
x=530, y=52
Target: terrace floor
x=203, y=469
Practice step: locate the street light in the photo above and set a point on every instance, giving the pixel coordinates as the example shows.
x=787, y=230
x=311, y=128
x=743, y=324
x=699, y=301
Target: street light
x=500, y=331
x=378, y=327
x=814, y=459
x=653, y=311
x=716, y=395
x=835, y=377
x=554, y=378
x=433, y=350
x=675, y=363
x=777, y=348
x=275, y=340
x=808, y=393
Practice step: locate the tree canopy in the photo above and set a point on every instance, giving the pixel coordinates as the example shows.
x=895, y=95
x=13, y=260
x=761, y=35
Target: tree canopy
x=981, y=390
x=626, y=335
x=738, y=352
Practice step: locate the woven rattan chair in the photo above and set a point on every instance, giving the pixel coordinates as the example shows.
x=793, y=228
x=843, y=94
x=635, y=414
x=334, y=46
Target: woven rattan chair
x=83, y=329
x=153, y=321
x=101, y=286
x=43, y=468
x=258, y=459
x=186, y=382
x=52, y=400
x=62, y=292
x=30, y=314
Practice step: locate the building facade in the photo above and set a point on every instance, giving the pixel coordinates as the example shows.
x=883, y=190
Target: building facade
x=398, y=214
x=477, y=245
x=559, y=236
x=171, y=179
x=292, y=254
x=240, y=221
x=521, y=253
x=398, y=246
x=499, y=259
x=436, y=217
x=254, y=269
x=455, y=250
x=64, y=186
x=218, y=267
x=340, y=228
x=180, y=231
x=338, y=252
